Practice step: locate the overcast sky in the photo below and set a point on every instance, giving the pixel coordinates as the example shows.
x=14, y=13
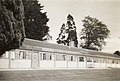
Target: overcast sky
x=107, y=11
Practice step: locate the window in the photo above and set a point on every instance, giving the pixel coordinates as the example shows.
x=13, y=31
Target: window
x=35, y=55
x=12, y=54
x=63, y=57
x=24, y=55
x=50, y=57
x=113, y=61
x=40, y=56
x=109, y=61
x=116, y=62
x=28, y=55
x=47, y=56
x=89, y=59
x=20, y=54
x=81, y=59
x=71, y=58
x=102, y=60
x=44, y=56
x=96, y=60
x=60, y=57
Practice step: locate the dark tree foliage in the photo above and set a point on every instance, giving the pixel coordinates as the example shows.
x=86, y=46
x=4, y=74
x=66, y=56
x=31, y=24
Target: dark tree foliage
x=62, y=36
x=117, y=52
x=93, y=33
x=72, y=34
x=11, y=25
x=68, y=33
x=35, y=20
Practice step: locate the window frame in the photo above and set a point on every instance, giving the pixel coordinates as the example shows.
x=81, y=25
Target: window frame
x=81, y=59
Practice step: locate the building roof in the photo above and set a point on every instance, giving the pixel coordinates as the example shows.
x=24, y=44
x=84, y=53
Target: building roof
x=42, y=44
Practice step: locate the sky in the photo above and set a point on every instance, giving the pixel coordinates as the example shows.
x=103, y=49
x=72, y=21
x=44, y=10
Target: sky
x=107, y=11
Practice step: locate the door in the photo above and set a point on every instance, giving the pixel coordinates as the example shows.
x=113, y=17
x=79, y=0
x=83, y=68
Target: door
x=35, y=60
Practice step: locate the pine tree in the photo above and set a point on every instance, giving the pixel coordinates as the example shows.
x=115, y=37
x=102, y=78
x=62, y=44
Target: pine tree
x=68, y=34
x=11, y=25
x=72, y=34
x=35, y=20
x=62, y=36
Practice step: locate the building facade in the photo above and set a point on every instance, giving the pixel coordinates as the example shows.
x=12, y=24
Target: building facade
x=36, y=55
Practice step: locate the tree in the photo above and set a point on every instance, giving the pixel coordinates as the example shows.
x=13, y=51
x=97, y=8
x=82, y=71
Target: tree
x=11, y=25
x=93, y=33
x=117, y=52
x=68, y=35
x=35, y=20
x=62, y=39
x=72, y=34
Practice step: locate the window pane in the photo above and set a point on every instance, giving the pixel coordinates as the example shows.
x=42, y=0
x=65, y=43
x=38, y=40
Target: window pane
x=50, y=56
x=89, y=59
x=113, y=61
x=109, y=61
x=28, y=55
x=22, y=55
x=96, y=60
x=60, y=57
x=102, y=60
x=40, y=56
x=81, y=59
x=63, y=57
x=44, y=56
x=116, y=62
x=71, y=58
x=12, y=54
x=7, y=54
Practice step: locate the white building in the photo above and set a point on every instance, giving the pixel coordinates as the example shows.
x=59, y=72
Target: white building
x=37, y=54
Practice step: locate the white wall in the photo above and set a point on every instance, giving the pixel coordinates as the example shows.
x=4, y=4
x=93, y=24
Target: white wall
x=117, y=65
x=103, y=65
x=20, y=64
x=97, y=65
x=46, y=63
x=81, y=64
x=90, y=64
x=61, y=64
x=109, y=65
x=4, y=63
x=72, y=64
x=113, y=65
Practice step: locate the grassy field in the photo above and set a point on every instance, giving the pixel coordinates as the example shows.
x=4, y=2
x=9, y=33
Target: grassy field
x=61, y=75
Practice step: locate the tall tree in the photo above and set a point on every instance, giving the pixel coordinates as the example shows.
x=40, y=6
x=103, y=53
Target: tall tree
x=35, y=20
x=72, y=34
x=94, y=33
x=62, y=39
x=68, y=35
x=11, y=25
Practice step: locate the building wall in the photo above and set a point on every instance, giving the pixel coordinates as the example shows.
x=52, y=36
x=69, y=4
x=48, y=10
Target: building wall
x=46, y=64
x=61, y=64
x=4, y=63
x=38, y=59
x=20, y=64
